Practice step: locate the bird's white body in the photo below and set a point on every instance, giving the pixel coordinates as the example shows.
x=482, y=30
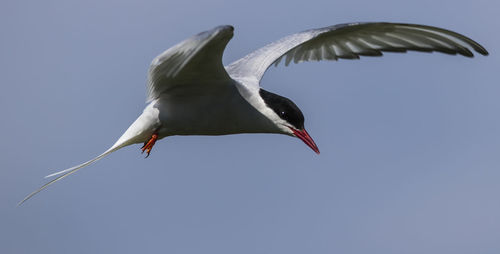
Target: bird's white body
x=207, y=110
x=190, y=92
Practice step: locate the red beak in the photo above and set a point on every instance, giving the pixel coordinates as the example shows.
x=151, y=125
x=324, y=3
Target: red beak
x=304, y=136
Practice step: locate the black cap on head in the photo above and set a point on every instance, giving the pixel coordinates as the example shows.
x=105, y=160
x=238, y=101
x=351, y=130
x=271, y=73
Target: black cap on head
x=284, y=108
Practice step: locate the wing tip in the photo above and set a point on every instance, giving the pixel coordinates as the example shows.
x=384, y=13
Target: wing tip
x=482, y=51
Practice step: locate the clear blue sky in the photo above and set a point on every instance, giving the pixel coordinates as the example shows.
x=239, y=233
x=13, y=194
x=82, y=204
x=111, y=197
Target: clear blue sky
x=409, y=144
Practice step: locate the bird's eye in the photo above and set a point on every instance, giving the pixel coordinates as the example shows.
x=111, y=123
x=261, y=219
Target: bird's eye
x=282, y=113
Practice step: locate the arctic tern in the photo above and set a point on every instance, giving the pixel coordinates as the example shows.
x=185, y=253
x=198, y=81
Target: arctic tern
x=190, y=91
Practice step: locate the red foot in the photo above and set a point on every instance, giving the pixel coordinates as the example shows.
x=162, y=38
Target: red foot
x=149, y=145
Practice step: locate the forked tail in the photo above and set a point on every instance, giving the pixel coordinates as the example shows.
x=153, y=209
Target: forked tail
x=75, y=168
x=136, y=133
x=69, y=171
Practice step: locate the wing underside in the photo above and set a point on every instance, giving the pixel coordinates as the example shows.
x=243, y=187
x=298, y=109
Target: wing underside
x=350, y=41
x=192, y=61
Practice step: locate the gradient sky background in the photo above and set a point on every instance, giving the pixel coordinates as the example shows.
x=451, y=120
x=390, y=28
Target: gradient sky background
x=409, y=144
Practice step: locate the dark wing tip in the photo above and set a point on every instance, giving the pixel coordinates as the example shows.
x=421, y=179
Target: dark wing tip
x=478, y=48
x=482, y=51
x=228, y=28
x=466, y=52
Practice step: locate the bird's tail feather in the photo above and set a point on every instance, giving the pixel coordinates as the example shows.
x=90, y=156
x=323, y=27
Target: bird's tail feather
x=77, y=167
x=139, y=131
x=125, y=140
x=69, y=171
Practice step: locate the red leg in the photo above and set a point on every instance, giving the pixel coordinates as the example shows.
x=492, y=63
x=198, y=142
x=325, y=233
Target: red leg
x=149, y=145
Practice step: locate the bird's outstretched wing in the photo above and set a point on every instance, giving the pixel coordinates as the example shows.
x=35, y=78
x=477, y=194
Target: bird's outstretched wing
x=198, y=58
x=350, y=41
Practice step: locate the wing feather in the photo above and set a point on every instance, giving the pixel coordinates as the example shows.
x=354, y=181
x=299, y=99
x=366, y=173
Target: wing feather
x=350, y=41
x=196, y=59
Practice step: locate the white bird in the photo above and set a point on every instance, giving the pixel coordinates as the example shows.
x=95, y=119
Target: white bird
x=190, y=91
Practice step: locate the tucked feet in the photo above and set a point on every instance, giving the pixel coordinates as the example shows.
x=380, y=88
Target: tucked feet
x=149, y=145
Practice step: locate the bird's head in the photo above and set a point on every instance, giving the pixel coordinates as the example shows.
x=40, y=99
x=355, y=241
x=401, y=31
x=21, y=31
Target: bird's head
x=288, y=117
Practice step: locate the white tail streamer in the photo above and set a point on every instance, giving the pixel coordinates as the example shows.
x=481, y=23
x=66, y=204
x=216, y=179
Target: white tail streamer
x=140, y=130
x=68, y=172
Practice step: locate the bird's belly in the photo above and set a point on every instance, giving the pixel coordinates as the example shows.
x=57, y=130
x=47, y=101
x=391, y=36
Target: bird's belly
x=212, y=112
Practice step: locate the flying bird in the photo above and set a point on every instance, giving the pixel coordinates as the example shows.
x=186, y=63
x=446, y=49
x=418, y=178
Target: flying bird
x=191, y=92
